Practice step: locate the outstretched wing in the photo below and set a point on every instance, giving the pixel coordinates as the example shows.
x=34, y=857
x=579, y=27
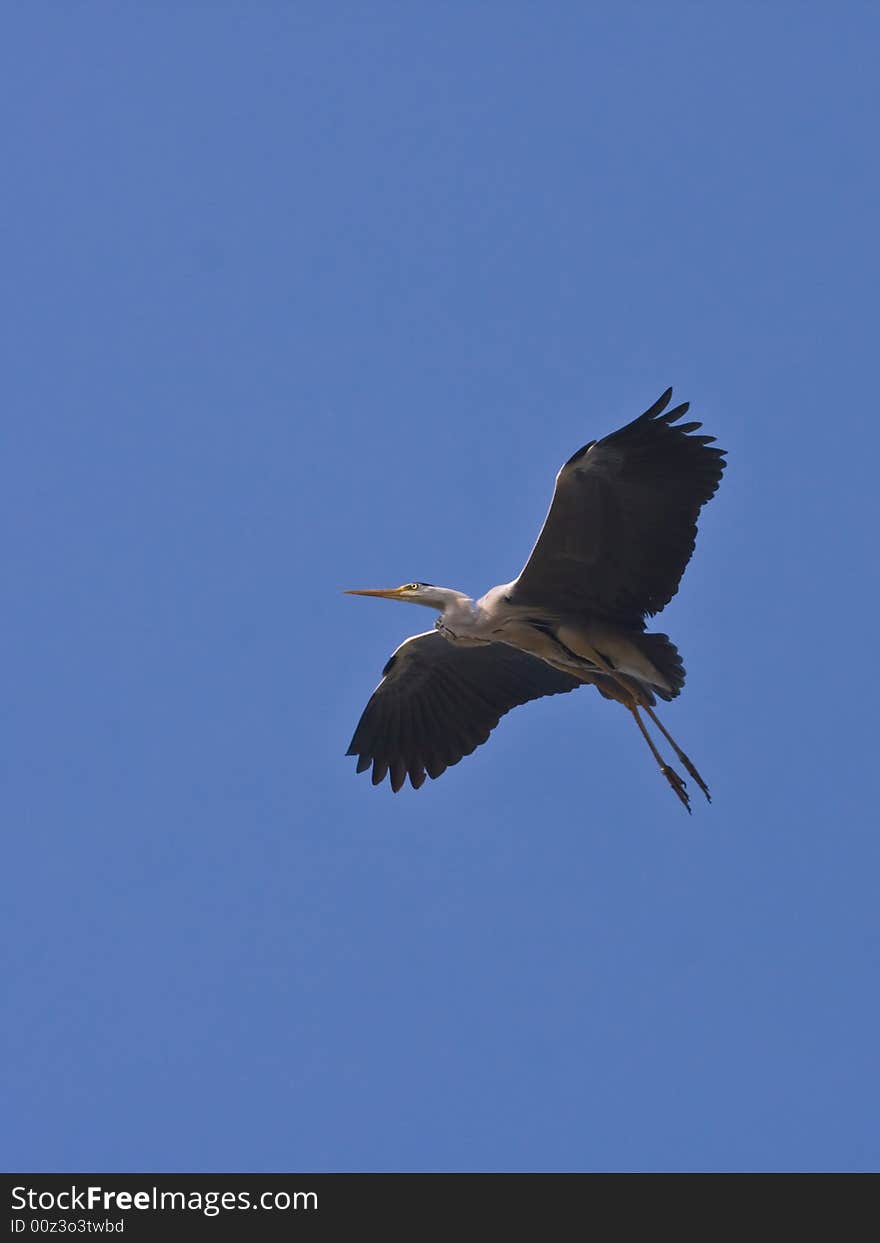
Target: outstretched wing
x=439, y=701
x=623, y=520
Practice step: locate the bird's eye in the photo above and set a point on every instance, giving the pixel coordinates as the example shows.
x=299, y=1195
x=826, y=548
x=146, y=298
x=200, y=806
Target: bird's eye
x=412, y=586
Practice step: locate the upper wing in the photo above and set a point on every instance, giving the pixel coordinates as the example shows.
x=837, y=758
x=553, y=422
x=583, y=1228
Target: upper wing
x=438, y=701
x=623, y=520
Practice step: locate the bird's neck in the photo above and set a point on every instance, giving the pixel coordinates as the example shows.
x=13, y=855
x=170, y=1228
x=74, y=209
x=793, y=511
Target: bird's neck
x=455, y=607
x=459, y=618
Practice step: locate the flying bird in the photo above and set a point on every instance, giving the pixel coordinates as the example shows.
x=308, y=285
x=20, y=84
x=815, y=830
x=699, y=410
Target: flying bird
x=619, y=533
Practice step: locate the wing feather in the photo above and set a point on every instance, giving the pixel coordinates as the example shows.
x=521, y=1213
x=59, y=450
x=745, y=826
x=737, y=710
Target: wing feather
x=438, y=702
x=623, y=520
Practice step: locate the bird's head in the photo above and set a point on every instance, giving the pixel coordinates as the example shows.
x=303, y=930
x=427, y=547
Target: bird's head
x=445, y=599
x=415, y=593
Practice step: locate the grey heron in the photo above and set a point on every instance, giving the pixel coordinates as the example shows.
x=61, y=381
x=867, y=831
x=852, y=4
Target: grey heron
x=619, y=533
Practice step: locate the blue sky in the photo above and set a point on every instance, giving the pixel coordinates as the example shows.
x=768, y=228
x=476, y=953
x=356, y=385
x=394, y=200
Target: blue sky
x=309, y=296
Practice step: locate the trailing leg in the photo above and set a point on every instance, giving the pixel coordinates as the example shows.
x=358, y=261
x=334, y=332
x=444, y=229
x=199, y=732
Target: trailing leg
x=678, y=751
x=669, y=773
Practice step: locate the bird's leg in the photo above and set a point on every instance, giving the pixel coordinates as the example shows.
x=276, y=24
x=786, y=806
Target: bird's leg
x=669, y=773
x=629, y=697
x=678, y=751
x=630, y=700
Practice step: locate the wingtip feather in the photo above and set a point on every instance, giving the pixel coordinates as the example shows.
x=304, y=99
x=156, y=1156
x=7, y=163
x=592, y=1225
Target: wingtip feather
x=659, y=405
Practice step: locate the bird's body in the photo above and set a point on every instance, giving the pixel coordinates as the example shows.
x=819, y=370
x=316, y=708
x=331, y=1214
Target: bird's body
x=619, y=533
x=568, y=644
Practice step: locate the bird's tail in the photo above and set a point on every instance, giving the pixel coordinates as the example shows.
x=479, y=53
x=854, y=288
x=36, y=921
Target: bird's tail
x=664, y=656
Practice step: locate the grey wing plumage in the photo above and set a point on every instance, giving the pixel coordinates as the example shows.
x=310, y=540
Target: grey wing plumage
x=623, y=520
x=438, y=701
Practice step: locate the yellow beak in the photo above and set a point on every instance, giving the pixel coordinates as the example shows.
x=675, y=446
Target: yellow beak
x=387, y=593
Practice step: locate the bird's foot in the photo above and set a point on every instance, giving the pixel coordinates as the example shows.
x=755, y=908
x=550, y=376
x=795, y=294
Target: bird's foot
x=678, y=786
x=696, y=776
